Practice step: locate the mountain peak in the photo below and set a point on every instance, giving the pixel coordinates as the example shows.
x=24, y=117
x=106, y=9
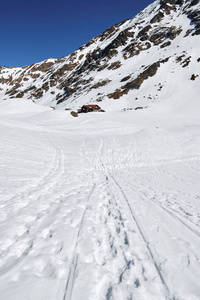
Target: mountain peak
x=119, y=63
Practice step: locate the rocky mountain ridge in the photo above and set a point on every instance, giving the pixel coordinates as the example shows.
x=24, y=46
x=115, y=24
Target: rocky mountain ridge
x=118, y=62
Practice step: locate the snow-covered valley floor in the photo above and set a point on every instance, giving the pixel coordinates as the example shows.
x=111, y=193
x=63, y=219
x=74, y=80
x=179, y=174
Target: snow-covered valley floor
x=101, y=207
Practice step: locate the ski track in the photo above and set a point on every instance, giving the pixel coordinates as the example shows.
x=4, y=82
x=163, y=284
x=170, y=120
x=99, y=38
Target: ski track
x=116, y=237
x=143, y=236
x=73, y=266
x=45, y=187
x=45, y=181
x=99, y=212
x=145, y=194
x=155, y=263
x=108, y=174
x=172, y=212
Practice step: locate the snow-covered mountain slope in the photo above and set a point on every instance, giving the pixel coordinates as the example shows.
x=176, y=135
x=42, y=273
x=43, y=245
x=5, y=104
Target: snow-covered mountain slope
x=105, y=206
x=146, y=58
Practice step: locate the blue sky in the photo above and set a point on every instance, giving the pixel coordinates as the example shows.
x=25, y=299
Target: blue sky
x=31, y=31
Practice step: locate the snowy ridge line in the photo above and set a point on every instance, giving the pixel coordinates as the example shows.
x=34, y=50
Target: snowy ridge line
x=156, y=264
x=74, y=77
x=195, y=231
x=72, y=272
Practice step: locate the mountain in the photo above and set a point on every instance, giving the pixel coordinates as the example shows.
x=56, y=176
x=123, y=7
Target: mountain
x=105, y=206
x=146, y=58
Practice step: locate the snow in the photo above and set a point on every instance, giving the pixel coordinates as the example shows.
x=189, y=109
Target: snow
x=103, y=206
x=183, y=44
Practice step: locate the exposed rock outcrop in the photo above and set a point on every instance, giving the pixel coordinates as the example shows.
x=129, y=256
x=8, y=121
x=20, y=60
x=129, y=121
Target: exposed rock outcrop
x=111, y=58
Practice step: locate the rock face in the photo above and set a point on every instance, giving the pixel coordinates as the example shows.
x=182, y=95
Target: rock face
x=113, y=64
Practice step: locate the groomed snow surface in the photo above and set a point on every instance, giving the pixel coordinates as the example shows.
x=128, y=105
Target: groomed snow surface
x=100, y=207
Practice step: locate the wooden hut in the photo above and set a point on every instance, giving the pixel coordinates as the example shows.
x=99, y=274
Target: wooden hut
x=90, y=107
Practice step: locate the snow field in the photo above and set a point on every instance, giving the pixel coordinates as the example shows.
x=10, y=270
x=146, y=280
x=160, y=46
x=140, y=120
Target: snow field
x=105, y=206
